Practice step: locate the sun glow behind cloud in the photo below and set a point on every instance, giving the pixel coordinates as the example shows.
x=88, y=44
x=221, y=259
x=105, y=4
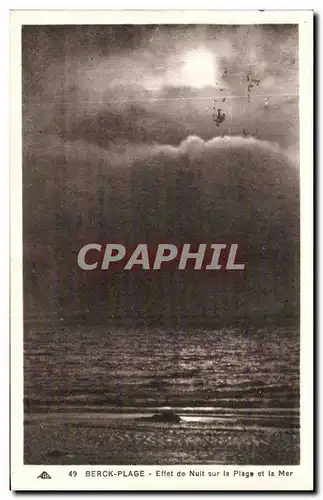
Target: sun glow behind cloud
x=199, y=68
x=195, y=68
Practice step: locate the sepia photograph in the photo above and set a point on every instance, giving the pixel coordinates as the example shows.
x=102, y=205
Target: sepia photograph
x=161, y=244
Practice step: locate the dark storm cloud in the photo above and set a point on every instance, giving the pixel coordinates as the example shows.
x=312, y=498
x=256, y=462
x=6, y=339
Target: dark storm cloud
x=100, y=58
x=231, y=189
x=83, y=82
x=118, y=148
x=246, y=181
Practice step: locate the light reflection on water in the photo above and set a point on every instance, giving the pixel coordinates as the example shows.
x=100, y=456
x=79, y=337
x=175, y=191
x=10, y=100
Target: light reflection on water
x=213, y=374
x=89, y=393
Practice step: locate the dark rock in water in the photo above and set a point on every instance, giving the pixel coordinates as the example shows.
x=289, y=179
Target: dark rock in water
x=167, y=416
x=57, y=453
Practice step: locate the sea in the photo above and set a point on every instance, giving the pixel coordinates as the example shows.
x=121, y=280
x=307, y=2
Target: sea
x=90, y=393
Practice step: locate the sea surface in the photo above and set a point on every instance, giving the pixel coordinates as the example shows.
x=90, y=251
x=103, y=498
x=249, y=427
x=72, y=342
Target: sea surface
x=87, y=390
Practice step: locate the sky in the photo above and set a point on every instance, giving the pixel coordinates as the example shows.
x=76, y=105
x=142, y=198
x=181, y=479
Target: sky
x=121, y=143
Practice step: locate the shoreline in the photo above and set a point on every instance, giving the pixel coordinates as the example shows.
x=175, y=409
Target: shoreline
x=124, y=442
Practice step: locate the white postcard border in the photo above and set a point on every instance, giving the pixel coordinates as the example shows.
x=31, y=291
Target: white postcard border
x=24, y=477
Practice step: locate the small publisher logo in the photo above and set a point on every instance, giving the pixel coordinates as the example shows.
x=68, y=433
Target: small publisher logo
x=44, y=475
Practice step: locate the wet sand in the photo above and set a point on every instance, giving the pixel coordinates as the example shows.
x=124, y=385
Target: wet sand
x=80, y=441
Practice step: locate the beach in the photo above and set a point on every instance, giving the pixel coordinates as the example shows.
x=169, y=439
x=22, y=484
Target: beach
x=90, y=393
x=70, y=439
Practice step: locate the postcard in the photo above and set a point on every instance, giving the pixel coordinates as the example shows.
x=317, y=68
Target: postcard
x=161, y=250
